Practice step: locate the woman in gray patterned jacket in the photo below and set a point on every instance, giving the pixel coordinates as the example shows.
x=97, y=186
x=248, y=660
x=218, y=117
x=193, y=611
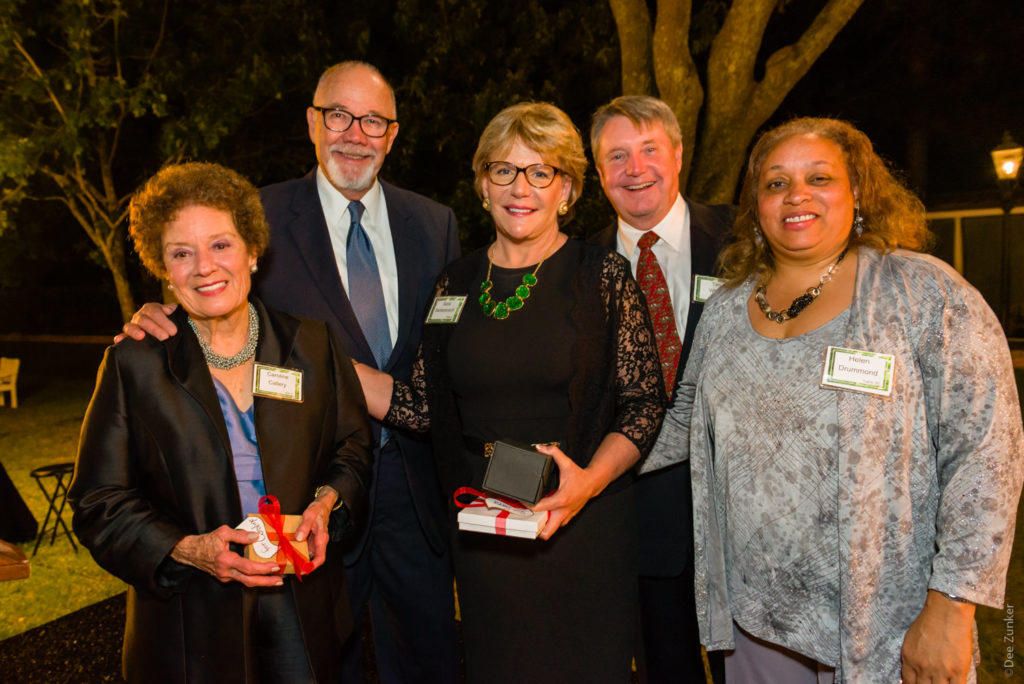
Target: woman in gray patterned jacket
x=853, y=429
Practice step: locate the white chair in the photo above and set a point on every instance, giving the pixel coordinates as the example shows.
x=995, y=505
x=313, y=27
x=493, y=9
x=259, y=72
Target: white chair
x=9, y=380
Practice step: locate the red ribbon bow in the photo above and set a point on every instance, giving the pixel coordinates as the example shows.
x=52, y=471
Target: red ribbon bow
x=270, y=509
x=478, y=502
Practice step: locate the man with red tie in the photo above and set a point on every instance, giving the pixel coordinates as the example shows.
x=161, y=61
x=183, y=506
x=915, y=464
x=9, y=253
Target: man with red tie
x=672, y=244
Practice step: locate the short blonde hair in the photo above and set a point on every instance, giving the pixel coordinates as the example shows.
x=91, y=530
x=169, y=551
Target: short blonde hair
x=893, y=215
x=542, y=127
x=193, y=184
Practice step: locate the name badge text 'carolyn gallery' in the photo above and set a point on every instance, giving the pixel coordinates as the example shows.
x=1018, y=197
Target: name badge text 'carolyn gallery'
x=275, y=382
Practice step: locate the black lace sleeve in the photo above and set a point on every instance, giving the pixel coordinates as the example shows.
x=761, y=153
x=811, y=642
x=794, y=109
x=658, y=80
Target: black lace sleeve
x=409, y=408
x=640, y=393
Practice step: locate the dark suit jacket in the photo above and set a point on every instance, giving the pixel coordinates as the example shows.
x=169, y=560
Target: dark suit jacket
x=666, y=535
x=299, y=274
x=155, y=465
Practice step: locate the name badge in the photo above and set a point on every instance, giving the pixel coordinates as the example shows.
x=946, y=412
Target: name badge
x=704, y=287
x=275, y=382
x=861, y=371
x=446, y=309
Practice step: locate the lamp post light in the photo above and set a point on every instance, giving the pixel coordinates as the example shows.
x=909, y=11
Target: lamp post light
x=1006, y=158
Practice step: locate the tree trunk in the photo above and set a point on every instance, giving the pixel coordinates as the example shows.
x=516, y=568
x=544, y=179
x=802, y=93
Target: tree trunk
x=731, y=105
x=114, y=256
x=676, y=74
x=737, y=104
x=633, y=22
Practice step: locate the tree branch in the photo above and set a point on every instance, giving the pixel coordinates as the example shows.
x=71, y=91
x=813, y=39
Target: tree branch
x=633, y=22
x=789, y=64
x=676, y=73
x=42, y=79
x=159, y=38
x=738, y=105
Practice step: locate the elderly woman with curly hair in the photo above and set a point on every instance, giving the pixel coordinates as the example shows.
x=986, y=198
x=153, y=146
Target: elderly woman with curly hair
x=180, y=443
x=852, y=427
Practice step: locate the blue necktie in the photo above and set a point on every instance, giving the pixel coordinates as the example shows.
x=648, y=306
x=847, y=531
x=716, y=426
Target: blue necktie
x=364, y=288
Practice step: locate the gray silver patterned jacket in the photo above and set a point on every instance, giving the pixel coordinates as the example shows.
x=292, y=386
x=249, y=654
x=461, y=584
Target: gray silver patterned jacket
x=929, y=478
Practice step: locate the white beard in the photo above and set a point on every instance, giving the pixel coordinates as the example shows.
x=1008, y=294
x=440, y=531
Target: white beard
x=346, y=178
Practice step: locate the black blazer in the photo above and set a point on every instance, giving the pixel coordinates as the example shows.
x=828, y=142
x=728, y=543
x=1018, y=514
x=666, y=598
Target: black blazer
x=155, y=464
x=299, y=274
x=666, y=534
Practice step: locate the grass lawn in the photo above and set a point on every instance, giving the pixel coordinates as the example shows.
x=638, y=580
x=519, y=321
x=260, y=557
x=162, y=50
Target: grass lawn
x=41, y=431
x=54, y=390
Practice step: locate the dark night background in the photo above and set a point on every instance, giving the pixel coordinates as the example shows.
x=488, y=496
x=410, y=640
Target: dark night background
x=934, y=84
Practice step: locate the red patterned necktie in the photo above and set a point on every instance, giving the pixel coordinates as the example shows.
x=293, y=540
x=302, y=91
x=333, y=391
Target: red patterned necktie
x=652, y=283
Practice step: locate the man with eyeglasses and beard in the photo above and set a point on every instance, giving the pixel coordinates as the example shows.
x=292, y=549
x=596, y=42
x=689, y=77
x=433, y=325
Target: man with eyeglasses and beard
x=362, y=255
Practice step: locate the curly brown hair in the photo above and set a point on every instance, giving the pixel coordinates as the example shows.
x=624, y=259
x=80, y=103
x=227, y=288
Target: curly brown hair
x=893, y=215
x=542, y=127
x=194, y=184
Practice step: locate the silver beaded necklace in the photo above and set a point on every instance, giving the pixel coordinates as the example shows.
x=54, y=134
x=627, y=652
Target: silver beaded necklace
x=215, y=360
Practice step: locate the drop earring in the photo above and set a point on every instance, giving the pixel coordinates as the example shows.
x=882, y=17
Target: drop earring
x=757, y=235
x=858, y=220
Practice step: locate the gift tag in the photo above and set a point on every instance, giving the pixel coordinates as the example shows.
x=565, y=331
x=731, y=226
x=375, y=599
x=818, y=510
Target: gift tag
x=704, y=287
x=446, y=309
x=515, y=511
x=858, y=370
x=275, y=382
x=263, y=547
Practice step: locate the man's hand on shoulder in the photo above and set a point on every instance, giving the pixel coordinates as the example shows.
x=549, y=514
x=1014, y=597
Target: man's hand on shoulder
x=151, y=319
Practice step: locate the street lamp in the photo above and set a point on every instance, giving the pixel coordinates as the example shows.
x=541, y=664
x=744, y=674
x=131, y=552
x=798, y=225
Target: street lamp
x=1006, y=158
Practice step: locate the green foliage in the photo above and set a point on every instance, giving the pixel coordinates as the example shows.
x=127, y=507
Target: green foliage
x=97, y=95
x=457, y=63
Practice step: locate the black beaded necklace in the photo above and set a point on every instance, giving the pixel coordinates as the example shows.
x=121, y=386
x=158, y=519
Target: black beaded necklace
x=801, y=302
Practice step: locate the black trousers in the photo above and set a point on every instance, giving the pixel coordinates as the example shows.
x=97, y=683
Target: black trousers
x=281, y=653
x=407, y=587
x=668, y=648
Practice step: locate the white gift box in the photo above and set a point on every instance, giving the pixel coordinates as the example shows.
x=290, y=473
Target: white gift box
x=502, y=520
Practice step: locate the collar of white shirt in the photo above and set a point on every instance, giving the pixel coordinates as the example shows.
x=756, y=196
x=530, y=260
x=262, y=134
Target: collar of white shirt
x=335, y=204
x=672, y=229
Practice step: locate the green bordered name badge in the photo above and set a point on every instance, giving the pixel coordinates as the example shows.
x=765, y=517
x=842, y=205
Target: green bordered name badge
x=446, y=309
x=704, y=287
x=275, y=382
x=860, y=371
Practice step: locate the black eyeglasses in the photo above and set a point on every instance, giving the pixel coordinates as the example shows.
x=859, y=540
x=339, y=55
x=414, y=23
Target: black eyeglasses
x=538, y=175
x=339, y=121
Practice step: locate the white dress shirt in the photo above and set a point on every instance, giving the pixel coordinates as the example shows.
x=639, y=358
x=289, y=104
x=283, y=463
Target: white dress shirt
x=378, y=229
x=673, y=253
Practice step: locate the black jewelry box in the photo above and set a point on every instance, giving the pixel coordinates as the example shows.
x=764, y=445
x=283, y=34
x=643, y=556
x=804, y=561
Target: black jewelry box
x=518, y=471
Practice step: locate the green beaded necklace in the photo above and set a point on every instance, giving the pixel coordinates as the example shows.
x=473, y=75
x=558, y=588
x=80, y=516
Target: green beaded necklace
x=502, y=310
